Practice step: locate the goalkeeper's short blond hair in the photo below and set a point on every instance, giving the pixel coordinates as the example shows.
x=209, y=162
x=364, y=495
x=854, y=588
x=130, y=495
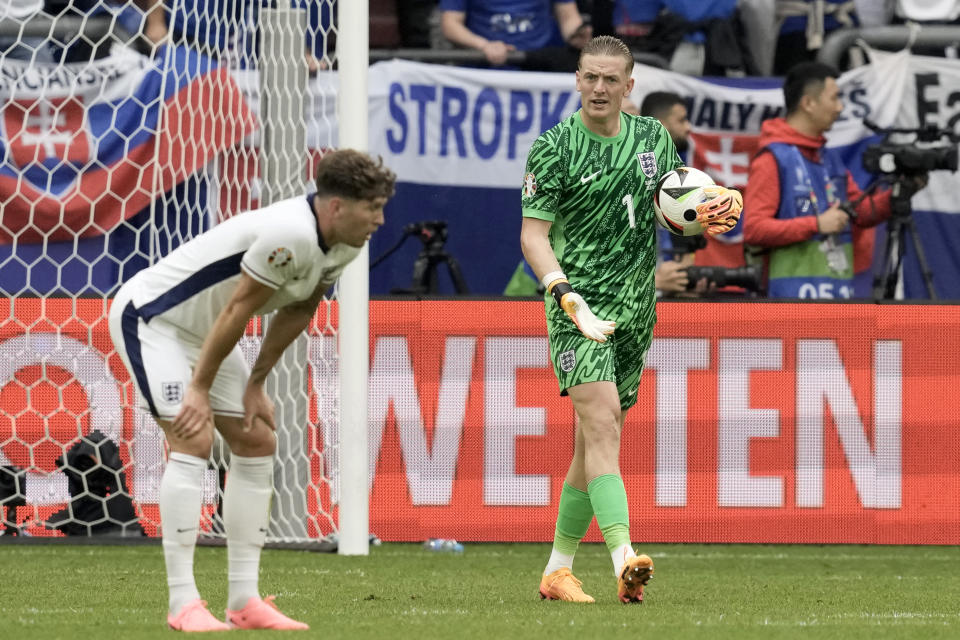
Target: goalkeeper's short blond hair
x=608, y=46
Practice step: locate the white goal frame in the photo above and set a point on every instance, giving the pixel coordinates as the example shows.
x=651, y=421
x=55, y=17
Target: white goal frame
x=354, y=296
x=285, y=106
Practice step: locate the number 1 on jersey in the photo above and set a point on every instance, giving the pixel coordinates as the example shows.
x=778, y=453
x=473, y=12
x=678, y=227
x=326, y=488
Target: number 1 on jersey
x=628, y=201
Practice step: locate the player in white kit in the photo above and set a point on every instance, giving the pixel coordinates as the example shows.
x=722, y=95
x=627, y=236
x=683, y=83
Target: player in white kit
x=176, y=326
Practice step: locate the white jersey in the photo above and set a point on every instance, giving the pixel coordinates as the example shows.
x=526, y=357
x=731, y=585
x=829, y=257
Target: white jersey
x=279, y=246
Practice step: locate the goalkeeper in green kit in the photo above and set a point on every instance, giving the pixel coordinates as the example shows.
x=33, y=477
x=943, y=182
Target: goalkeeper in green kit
x=589, y=234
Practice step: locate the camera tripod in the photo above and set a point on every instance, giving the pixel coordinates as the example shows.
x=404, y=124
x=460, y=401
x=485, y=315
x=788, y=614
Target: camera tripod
x=433, y=235
x=900, y=227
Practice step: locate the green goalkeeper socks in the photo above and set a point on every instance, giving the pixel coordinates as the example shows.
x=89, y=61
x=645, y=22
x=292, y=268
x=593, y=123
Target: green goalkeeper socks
x=573, y=519
x=609, y=499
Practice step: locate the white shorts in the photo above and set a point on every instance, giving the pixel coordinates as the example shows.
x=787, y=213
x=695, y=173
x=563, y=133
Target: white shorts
x=160, y=358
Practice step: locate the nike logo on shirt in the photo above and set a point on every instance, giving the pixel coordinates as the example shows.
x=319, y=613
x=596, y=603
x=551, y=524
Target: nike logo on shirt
x=586, y=179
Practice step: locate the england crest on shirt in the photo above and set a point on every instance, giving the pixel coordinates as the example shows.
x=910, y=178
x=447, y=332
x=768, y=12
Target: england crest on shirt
x=568, y=360
x=648, y=163
x=172, y=391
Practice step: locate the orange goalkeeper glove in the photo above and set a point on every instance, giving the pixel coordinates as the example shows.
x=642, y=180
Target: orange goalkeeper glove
x=576, y=307
x=722, y=212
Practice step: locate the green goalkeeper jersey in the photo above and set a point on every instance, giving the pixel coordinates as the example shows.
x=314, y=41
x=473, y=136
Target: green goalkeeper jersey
x=598, y=193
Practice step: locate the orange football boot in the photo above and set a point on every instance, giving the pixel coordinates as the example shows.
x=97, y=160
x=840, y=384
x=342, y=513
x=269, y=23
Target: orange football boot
x=636, y=572
x=561, y=585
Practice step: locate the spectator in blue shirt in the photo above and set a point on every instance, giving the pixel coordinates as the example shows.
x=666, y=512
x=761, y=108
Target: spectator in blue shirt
x=646, y=11
x=551, y=31
x=228, y=29
x=139, y=16
x=697, y=37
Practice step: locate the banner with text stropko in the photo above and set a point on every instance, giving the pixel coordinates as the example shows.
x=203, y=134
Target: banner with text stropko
x=757, y=422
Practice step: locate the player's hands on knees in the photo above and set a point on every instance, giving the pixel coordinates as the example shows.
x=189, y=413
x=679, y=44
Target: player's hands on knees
x=195, y=414
x=720, y=213
x=257, y=405
x=833, y=220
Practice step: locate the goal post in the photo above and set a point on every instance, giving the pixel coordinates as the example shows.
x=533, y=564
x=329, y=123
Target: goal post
x=114, y=150
x=354, y=288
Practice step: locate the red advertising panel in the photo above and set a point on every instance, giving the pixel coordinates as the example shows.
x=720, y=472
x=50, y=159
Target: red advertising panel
x=756, y=422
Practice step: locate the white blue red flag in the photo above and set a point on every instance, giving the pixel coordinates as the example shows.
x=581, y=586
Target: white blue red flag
x=84, y=146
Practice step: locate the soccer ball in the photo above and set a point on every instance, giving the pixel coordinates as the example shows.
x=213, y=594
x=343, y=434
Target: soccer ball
x=676, y=197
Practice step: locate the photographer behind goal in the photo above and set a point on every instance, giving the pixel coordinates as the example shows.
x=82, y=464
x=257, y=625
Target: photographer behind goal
x=680, y=273
x=797, y=192
x=708, y=280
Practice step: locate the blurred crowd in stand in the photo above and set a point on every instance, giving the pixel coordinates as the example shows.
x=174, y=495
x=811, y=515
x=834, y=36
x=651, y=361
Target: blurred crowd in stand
x=696, y=37
x=733, y=38
x=223, y=29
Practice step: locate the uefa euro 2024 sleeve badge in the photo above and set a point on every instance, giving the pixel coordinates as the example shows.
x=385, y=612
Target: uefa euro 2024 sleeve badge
x=529, y=185
x=280, y=257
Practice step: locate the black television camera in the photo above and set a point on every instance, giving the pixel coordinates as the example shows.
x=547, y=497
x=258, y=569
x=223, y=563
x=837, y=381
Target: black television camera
x=749, y=278
x=433, y=233
x=907, y=158
x=904, y=165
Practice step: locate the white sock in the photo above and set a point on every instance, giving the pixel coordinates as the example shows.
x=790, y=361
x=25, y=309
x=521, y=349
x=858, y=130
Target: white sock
x=557, y=561
x=620, y=555
x=246, y=514
x=181, y=495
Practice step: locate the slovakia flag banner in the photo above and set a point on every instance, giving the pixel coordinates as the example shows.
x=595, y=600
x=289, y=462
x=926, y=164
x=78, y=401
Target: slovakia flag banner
x=84, y=146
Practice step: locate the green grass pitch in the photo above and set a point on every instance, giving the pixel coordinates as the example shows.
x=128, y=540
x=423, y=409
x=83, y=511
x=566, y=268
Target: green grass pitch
x=490, y=592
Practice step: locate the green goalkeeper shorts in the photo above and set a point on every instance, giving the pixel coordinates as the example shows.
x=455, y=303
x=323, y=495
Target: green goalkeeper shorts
x=577, y=359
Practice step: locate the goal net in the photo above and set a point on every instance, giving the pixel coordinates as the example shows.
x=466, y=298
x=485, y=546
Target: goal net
x=126, y=132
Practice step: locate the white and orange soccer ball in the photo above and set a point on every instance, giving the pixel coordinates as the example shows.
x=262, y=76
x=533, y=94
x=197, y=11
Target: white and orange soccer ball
x=676, y=198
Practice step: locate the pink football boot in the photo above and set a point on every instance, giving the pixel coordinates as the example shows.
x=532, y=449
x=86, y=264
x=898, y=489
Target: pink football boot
x=262, y=614
x=194, y=616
